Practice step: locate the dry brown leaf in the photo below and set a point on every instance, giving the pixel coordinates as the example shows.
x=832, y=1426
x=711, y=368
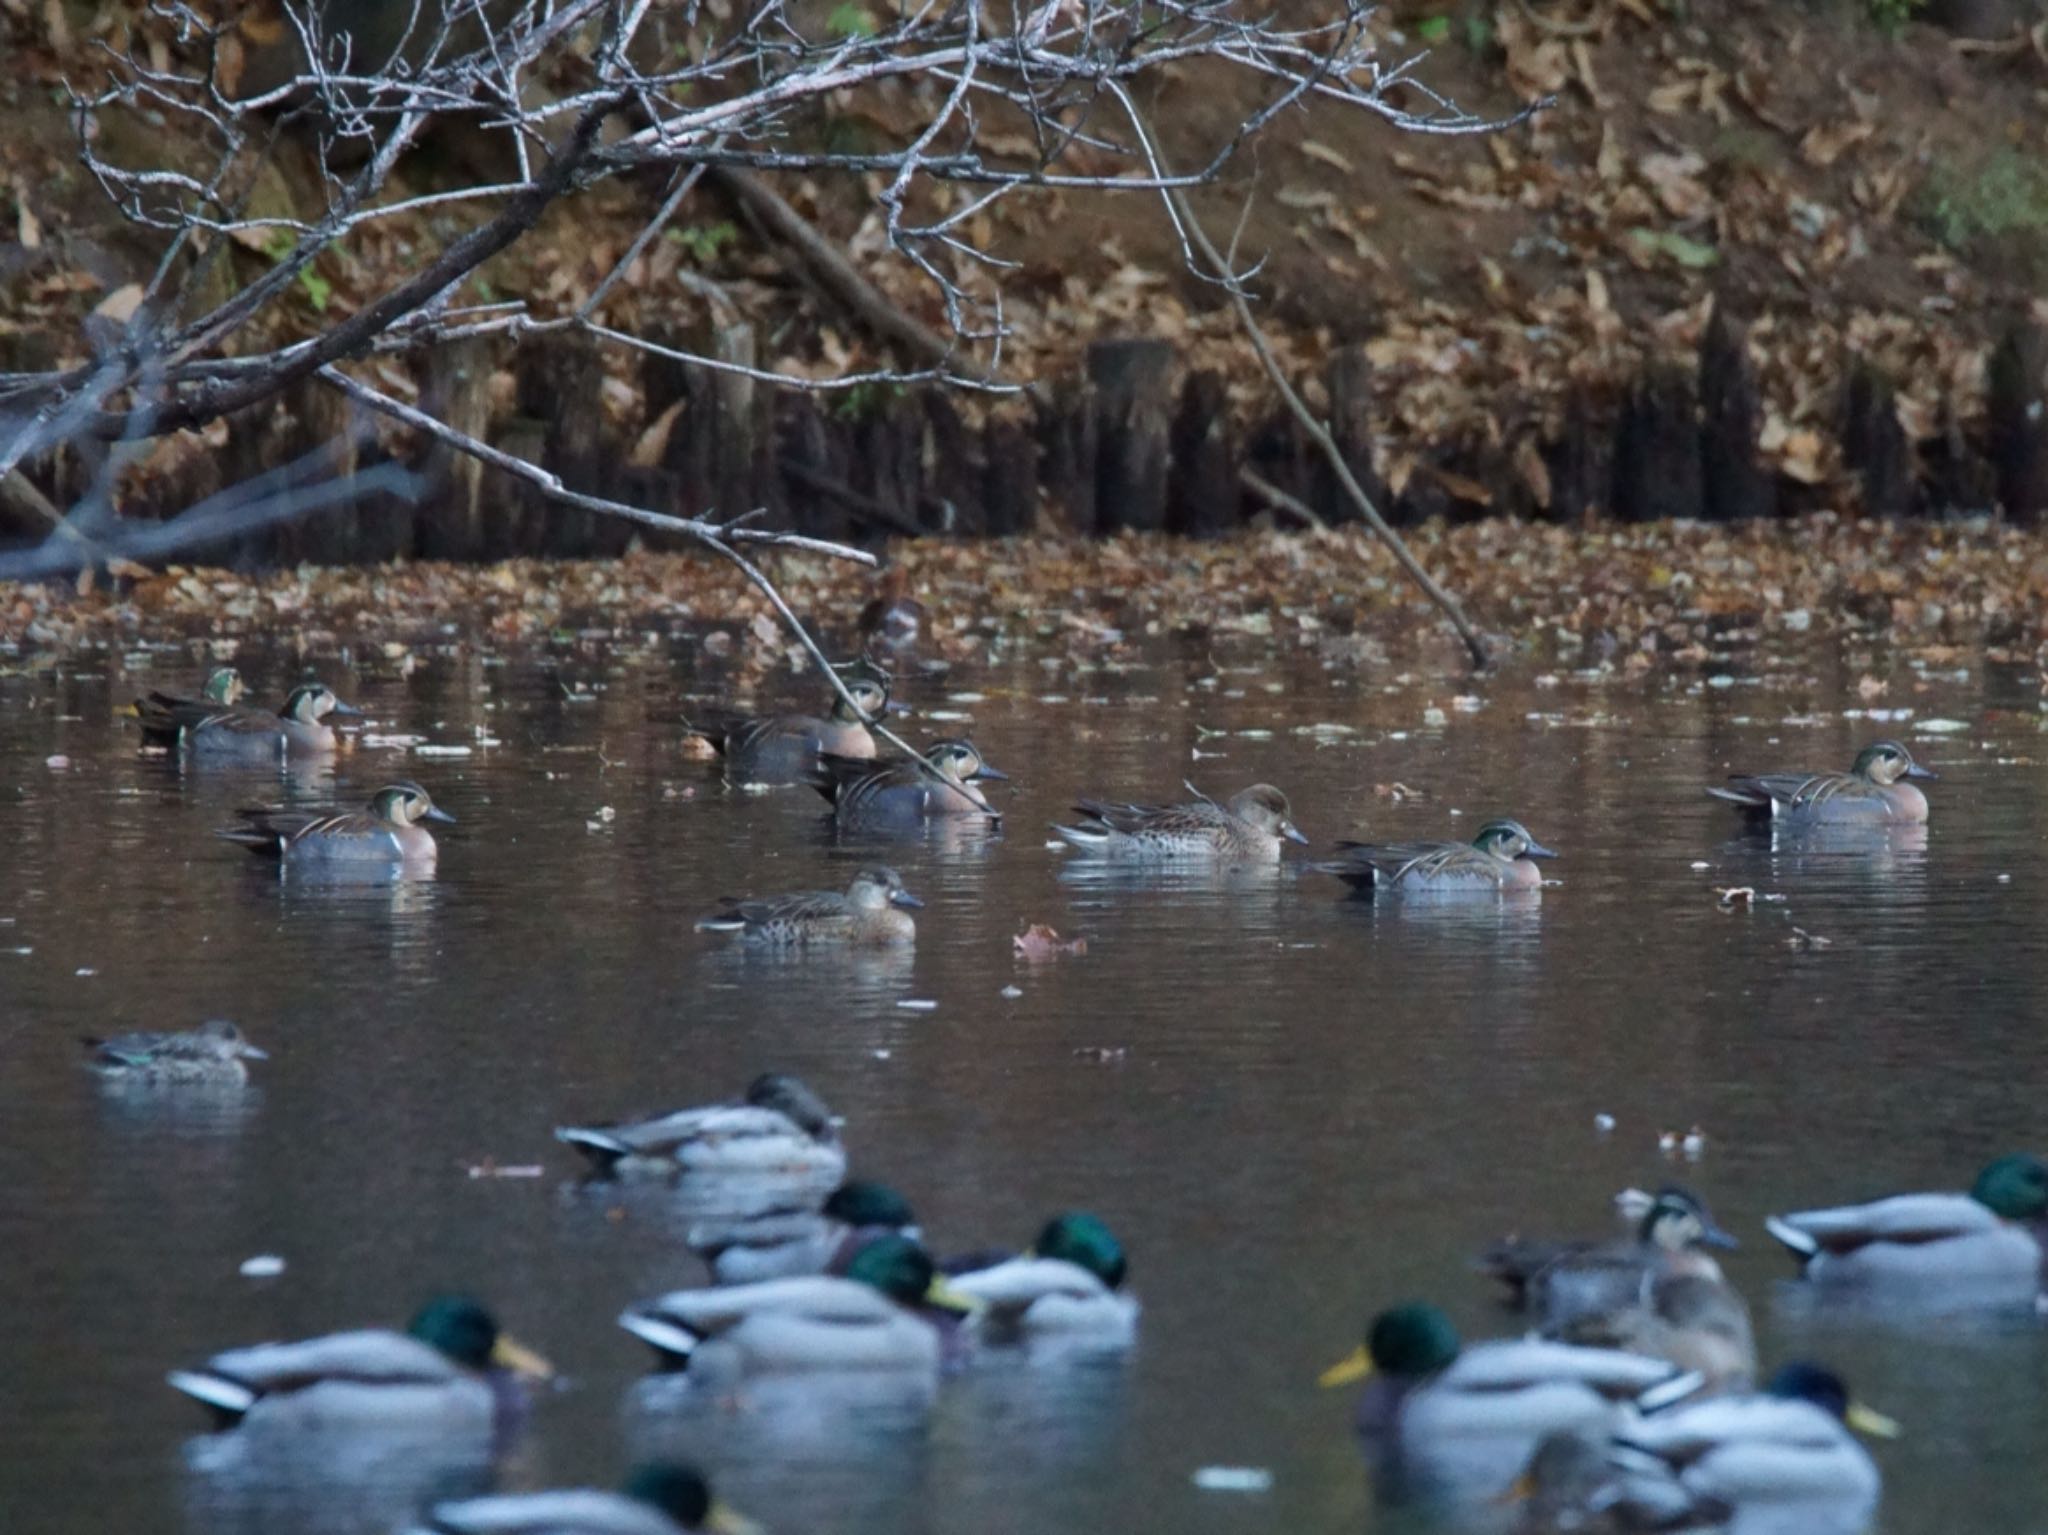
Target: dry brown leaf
x=1040, y=942
x=120, y=305
x=1824, y=144
x=1316, y=150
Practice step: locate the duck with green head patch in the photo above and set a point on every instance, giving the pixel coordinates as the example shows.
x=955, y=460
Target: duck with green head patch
x=388, y=833
x=1456, y=1423
x=1247, y=828
x=945, y=784
x=659, y=1498
x=784, y=748
x=780, y=1129
x=252, y=737
x=216, y=1052
x=1070, y=1282
x=1875, y=790
x=452, y=1368
x=165, y=717
x=1986, y=1248
x=787, y=1243
x=1495, y=861
x=879, y=1317
x=875, y=910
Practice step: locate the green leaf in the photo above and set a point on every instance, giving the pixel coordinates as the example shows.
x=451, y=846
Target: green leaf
x=318, y=289
x=850, y=20
x=1433, y=29
x=1687, y=253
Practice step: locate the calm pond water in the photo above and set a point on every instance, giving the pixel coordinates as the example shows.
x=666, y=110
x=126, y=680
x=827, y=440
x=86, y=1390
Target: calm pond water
x=1309, y=1107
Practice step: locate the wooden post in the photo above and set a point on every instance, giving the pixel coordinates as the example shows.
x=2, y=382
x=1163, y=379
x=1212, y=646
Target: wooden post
x=738, y=432
x=1734, y=482
x=458, y=391
x=1349, y=382
x=560, y=378
x=1873, y=442
x=1009, y=492
x=952, y=478
x=1067, y=430
x=1133, y=382
x=2018, y=436
x=1203, y=496
x=1657, y=448
x=1579, y=483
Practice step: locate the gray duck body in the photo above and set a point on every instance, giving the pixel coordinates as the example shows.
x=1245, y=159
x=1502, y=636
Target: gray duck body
x=1248, y=828
x=216, y=1051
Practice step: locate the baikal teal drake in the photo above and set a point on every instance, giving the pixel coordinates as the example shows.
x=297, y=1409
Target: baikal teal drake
x=165, y=717
x=1070, y=1284
x=215, y=1052
x=1497, y=860
x=883, y=1315
x=1247, y=828
x=945, y=784
x=874, y=910
x=252, y=737
x=452, y=1368
x=781, y=1128
x=784, y=748
x=1986, y=1248
x=387, y=834
x=1874, y=791
x=655, y=1499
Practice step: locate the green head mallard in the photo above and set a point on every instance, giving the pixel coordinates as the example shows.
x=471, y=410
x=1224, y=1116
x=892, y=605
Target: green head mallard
x=1408, y=1342
x=1085, y=1241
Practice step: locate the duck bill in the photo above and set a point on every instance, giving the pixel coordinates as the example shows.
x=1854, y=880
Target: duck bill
x=1354, y=1366
x=941, y=1294
x=346, y=711
x=985, y=771
x=251, y=1053
x=1293, y=833
x=896, y=706
x=722, y=1520
x=436, y=813
x=1915, y=770
x=1536, y=849
x=1714, y=1236
x=906, y=900
x=510, y=1354
x=1866, y=1420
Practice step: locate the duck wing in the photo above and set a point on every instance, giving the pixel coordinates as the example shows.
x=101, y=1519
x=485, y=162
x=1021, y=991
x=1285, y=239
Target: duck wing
x=802, y=906
x=1522, y=1363
x=1904, y=1219
x=1795, y=791
x=368, y=1357
x=573, y=1511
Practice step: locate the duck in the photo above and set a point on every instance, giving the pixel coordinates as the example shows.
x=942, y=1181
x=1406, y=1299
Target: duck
x=1874, y=790
x=1987, y=1247
x=1783, y=1458
x=658, y=1498
x=1699, y=1324
x=874, y=910
x=386, y=833
x=1247, y=828
x=165, y=717
x=784, y=748
x=787, y=1243
x=943, y=784
x=452, y=1367
x=780, y=1127
x=1459, y=1422
x=216, y=1051
x=891, y=623
x=1515, y=1260
x=1497, y=860
x=882, y=1315
x=1070, y=1282
x=298, y=730
x=1675, y=1238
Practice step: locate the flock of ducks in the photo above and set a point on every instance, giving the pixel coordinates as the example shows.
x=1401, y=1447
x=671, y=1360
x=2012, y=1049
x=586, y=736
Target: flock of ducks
x=1632, y=1405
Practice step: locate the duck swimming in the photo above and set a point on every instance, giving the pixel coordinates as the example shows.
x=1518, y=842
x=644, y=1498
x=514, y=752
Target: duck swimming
x=1874, y=790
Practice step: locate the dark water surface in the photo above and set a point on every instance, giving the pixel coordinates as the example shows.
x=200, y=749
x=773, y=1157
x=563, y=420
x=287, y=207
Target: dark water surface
x=1311, y=1107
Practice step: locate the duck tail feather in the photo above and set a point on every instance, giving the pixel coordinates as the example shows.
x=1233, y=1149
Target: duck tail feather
x=1799, y=1243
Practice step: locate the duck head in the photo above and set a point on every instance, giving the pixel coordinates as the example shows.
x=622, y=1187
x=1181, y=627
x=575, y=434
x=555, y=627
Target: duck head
x=1886, y=762
x=795, y=1101
x=960, y=760
x=880, y=887
x=1802, y=1381
x=223, y=687
x=313, y=702
x=904, y=1272
x=869, y=685
x=1406, y=1342
x=228, y=1042
x=1509, y=840
x=862, y=1202
x=1084, y=1240
x=1678, y=1221
x=2014, y=1188
x=682, y=1493
x=462, y=1329
x=406, y=804
x=1266, y=807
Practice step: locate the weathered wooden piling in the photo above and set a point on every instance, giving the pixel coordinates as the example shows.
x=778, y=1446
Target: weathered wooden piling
x=1874, y=445
x=1657, y=448
x=2017, y=435
x=1203, y=498
x=1133, y=397
x=1734, y=484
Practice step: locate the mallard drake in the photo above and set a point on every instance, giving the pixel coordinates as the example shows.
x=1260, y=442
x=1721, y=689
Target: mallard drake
x=388, y=832
x=1515, y=1260
x=784, y=748
x=1462, y=1422
x=451, y=1367
x=784, y=1244
x=1247, y=828
x=1781, y=1459
x=655, y=1499
x=1071, y=1281
x=1872, y=790
x=216, y=1051
x=875, y=909
x=298, y=730
x=781, y=1127
x=1675, y=1238
x=1497, y=859
x=944, y=784
x=863, y=1321
x=165, y=717
x=1982, y=1248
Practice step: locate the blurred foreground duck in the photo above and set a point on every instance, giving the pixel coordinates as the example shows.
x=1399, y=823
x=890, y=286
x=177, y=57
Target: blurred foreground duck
x=1070, y=1283
x=883, y=1315
x=1247, y=828
x=944, y=784
x=166, y=716
x=1984, y=1248
x=1874, y=790
x=1700, y=1325
x=789, y=1243
x=216, y=1051
x=875, y=909
x=784, y=748
x=780, y=1128
x=1498, y=859
x=451, y=1368
x=655, y=1499
x=387, y=833
x=249, y=737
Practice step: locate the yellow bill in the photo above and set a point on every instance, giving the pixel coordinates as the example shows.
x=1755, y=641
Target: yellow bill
x=1866, y=1420
x=941, y=1294
x=1355, y=1366
x=509, y=1353
x=726, y=1521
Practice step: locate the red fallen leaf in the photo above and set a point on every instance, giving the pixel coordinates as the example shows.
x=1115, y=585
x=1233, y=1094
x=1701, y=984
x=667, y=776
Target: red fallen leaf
x=1039, y=942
